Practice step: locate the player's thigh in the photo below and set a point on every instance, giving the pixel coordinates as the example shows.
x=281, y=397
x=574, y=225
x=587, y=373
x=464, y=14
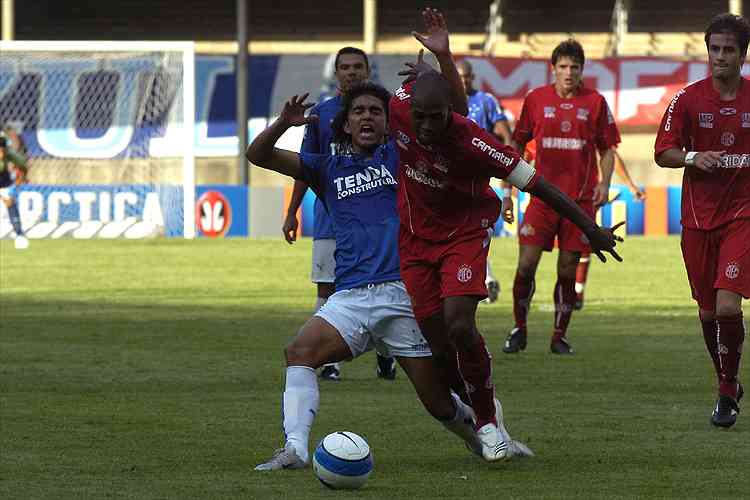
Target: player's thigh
x=570, y=238
x=733, y=263
x=700, y=252
x=317, y=342
x=463, y=266
x=347, y=311
x=323, y=261
x=528, y=259
x=392, y=324
x=540, y=225
x=422, y=279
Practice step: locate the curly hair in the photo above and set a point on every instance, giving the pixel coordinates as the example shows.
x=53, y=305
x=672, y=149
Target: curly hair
x=340, y=137
x=729, y=23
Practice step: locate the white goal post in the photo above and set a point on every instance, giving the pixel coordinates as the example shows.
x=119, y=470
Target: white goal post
x=109, y=129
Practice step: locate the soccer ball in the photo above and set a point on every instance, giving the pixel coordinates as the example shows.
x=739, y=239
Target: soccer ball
x=342, y=461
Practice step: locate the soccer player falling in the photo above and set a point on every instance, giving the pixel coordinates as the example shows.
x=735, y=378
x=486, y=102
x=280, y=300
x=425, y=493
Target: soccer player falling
x=569, y=124
x=447, y=211
x=351, y=67
x=485, y=111
x=706, y=130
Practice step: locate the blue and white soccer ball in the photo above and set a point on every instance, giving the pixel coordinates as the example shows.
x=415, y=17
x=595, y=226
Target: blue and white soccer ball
x=342, y=461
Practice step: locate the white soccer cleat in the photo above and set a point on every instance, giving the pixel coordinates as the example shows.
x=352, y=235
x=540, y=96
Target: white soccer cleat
x=21, y=242
x=283, y=458
x=515, y=448
x=494, y=447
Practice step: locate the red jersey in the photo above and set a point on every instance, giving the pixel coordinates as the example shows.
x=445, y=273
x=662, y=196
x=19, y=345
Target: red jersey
x=698, y=120
x=568, y=132
x=443, y=189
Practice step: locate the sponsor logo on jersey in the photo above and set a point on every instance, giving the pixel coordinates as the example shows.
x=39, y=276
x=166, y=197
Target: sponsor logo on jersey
x=728, y=111
x=492, y=152
x=464, y=273
x=366, y=180
x=528, y=230
x=566, y=105
x=401, y=94
x=745, y=118
x=732, y=271
x=422, y=177
x=566, y=143
x=727, y=139
x=566, y=126
x=549, y=111
x=706, y=120
x=735, y=161
x=670, y=110
x=583, y=114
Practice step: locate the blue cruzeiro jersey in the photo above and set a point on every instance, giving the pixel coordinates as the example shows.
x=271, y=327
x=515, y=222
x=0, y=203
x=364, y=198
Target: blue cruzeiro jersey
x=360, y=194
x=317, y=140
x=485, y=110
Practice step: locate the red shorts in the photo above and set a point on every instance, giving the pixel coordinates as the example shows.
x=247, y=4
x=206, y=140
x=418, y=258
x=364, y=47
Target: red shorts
x=433, y=271
x=541, y=224
x=717, y=259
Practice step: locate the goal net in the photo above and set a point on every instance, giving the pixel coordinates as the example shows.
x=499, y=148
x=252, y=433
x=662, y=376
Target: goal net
x=108, y=128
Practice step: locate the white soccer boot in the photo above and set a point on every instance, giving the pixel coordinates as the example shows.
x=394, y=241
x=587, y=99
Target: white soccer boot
x=21, y=242
x=494, y=447
x=283, y=458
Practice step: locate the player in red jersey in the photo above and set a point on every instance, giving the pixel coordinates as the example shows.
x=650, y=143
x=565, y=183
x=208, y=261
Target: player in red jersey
x=447, y=212
x=570, y=124
x=706, y=130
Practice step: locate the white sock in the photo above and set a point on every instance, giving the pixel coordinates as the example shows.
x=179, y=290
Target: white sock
x=462, y=423
x=490, y=276
x=301, y=399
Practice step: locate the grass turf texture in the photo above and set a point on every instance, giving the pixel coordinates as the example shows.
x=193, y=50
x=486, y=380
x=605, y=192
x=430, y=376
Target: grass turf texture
x=154, y=369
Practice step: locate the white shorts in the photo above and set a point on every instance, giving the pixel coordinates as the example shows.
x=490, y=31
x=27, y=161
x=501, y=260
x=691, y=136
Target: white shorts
x=376, y=316
x=323, y=262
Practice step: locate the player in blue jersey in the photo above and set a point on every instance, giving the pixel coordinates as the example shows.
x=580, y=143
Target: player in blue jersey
x=13, y=168
x=370, y=306
x=485, y=111
x=351, y=68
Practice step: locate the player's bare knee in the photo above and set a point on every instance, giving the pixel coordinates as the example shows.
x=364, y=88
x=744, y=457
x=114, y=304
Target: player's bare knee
x=299, y=353
x=461, y=331
x=727, y=310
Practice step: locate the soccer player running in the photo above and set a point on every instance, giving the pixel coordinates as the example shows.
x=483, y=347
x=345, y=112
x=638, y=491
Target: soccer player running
x=351, y=67
x=706, y=131
x=370, y=306
x=13, y=169
x=447, y=211
x=485, y=111
x=569, y=124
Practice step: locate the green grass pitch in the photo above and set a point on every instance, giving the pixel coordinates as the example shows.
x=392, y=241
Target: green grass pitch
x=154, y=369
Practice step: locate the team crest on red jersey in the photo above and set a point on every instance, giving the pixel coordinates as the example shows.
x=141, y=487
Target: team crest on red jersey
x=566, y=105
x=706, y=120
x=464, y=273
x=732, y=271
x=727, y=139
x=566, y=126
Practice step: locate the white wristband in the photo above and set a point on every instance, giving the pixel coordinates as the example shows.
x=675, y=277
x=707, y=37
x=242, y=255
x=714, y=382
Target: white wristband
x=690, y=158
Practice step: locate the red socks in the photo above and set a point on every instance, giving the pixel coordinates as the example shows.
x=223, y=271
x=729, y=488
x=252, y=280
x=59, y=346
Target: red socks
x=731, y=335
x=711, y=340
x=565, y=298
x=476, y=369
x=523, y=291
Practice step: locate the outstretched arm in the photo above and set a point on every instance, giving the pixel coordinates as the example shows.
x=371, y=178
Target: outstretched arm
x=436, y=40
x=601, y=240
x=262, y=152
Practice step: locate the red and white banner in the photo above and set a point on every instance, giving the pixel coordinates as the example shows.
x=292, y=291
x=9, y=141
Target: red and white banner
x=638, y=89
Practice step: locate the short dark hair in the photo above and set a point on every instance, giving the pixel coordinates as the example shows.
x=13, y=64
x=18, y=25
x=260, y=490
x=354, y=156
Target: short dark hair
x=729, y=23
x=433, y=83
x=569, y=48
x=350, y=50
x=364, y=88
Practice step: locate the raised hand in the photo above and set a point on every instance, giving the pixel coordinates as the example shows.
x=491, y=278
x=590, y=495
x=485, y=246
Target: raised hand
x=415, y=69
x=293, y=114
x=604, y=240
x=436, y=38
x=708, y=160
